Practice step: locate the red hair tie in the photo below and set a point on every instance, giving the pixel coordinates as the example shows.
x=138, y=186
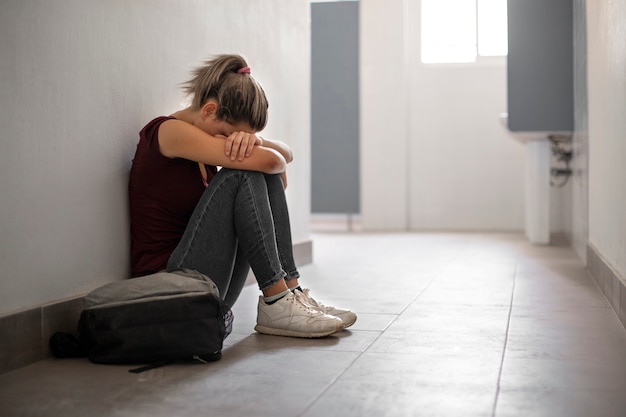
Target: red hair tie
x=244, y=70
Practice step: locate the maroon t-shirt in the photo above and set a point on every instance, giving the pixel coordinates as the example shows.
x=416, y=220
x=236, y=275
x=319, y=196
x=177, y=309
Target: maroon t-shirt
x=163, y=193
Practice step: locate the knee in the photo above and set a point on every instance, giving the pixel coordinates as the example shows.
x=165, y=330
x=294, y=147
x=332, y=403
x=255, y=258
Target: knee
x=253, y=177
x=242, y=174
x=274, y=180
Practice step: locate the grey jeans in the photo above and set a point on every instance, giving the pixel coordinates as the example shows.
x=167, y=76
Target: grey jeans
x=240, y=222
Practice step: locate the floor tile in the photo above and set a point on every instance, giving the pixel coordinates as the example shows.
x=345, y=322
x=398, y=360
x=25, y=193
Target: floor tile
x=373, y=398
x=466, y=345
x=452, y=318
x=411, y=385
x=591, y=372
x=450, y=324
x=348, y=341
x=373, y=321
x=561, y=402
x=435, y=370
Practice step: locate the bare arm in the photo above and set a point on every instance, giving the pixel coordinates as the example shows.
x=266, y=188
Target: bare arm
x=178, y=139
x=236, y=147
x=279, y=146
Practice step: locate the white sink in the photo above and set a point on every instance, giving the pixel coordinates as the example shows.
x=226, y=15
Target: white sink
x=536, y=181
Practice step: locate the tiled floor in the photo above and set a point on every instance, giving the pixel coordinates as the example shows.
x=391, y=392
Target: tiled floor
x=449, y=325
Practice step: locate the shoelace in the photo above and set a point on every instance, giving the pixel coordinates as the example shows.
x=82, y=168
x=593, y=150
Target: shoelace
x=312, y=301
x=302, y=304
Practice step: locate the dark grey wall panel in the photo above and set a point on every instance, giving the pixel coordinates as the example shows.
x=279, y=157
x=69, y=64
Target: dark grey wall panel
x=335, y=107
x=540, y=65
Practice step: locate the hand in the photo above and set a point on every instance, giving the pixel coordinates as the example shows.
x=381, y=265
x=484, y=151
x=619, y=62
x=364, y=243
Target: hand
x=239, y=145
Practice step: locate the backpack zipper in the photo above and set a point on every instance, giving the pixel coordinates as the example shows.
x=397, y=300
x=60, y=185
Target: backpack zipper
x=199, y=359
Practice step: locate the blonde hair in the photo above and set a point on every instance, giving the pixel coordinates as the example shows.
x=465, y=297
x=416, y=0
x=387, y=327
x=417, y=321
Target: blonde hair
x=227, y=80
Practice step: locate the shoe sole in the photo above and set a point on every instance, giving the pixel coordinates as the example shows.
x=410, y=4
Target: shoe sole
x=291, y=333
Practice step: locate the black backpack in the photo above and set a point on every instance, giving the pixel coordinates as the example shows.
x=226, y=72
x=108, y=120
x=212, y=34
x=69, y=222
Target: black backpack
x=154, y=320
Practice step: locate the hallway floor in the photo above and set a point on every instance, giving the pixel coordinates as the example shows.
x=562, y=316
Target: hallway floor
x=449, y=325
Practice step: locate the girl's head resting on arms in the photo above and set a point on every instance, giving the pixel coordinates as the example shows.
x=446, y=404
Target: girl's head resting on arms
x=226, y=80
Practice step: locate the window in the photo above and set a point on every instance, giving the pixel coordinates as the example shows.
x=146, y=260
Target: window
x=462, y=31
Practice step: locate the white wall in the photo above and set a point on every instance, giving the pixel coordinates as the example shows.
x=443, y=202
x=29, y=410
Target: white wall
x=466, y=173
x=435, y=155
x=79, y=79
x=577, y=223
x=384, y=112
x=606, y=26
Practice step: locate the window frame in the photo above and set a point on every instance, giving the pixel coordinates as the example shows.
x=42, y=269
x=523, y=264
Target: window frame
x=480, y=60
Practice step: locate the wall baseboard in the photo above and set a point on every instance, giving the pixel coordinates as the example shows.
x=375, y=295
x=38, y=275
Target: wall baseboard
x=609, y=282
x=24, y=335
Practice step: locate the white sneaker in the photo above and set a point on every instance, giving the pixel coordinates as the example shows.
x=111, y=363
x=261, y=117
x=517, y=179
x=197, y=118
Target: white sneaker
x=347, y=317
x=290, y=316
